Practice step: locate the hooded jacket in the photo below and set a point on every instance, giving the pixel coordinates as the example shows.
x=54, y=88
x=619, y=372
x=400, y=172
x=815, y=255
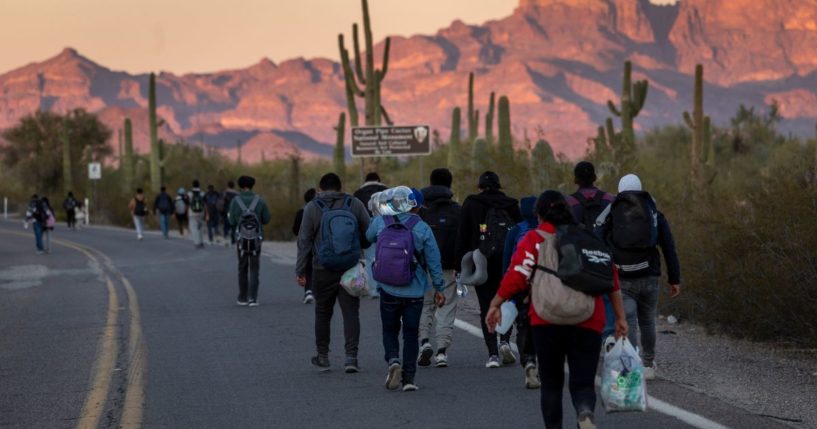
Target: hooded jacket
x=309, y=236
x=439, y=200
x=364, y=194
x=474, y=212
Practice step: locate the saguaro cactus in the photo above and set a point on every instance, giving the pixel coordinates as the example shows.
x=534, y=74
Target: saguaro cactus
x=489, y=121
x=454, y=154
x=542, y=162
x=67, y=164
x=703, y=151
x=633, y=95
x=473, y=114
x=370, y=78
x=505, y=137
x=479, y=157
x=340, y=149
x=127, y=159
x=155, y=155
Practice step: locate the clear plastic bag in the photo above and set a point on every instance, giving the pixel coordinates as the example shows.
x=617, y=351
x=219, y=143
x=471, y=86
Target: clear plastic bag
x=356, y=280
x=623, y=387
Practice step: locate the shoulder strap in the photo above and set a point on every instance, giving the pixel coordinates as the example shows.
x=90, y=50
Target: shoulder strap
x=599, y=196
x=413, y=220
x=579, y=196
x=241, y=204
x=254, y=203
x=347, y=202
x=321, y=205
x=390, y=220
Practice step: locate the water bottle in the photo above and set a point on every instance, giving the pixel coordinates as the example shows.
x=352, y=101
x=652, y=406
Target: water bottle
x=395, y=201
x=462, y=290
x=509, y=312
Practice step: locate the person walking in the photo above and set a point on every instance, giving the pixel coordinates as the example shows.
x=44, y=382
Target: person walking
x=36, y=217
x=332, y=234
x=309, y=297
x=226, y=201
x=138, y=210
x=180, y=206
x=163, y=206
x=212, y=198
x=484, y=223
x=371, y=186
x=524, y=333
x=50, y=223
x=442, y=214
x=70, y=204
x=401, y=298
x=196, y=214
x=248, y=213
x=635, y=241
x=580, y=343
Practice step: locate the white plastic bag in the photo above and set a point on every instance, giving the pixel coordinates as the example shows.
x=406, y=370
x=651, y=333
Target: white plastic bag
x=623, y=387
x=356, y=280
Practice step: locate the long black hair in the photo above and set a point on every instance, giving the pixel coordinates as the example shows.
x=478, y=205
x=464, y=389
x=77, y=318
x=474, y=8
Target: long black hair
x=552, y=208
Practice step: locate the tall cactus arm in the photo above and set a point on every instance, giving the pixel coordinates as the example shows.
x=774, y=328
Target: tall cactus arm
x=639, y=96
x=361, y=75
x=613, y=109
x=688, y=120
x=385, y=68
x=347, y=67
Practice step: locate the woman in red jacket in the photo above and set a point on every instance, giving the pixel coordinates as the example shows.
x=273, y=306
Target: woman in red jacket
x=580, y=343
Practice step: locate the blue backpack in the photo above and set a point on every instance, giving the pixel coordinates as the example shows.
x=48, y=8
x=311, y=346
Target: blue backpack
x=394, y=257
x=340, y=236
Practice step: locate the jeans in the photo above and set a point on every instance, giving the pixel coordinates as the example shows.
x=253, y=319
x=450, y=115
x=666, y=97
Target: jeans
x=229, y=230
x=327, y=289
x=397, y=313
x=640, y=306
x=212, y=227
x=164, y=224
x=196, y=224
x=609, y=318
x=485, y=293
x=38, y=235
x=138, y=221
x=443, y=316
x=581, y=347
x=248, y=278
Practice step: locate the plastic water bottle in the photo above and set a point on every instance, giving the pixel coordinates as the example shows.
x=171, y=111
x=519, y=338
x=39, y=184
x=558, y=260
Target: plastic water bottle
x=462, y=290
x=509, y=313
x=395, y=201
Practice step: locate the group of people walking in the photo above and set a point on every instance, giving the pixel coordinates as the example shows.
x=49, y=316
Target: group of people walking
x=496, y=245
x=43, y=219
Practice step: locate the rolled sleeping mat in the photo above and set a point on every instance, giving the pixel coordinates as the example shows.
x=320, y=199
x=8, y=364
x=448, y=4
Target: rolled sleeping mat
x=474, y=269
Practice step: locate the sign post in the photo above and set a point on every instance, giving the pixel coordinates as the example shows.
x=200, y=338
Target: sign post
x=94, y=174
x=411, y=140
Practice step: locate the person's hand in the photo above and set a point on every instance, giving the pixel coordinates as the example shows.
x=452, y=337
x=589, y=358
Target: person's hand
x=301, y=280
x=621, y=328
x=493, y=318
x=674, y=290
x=439, y=298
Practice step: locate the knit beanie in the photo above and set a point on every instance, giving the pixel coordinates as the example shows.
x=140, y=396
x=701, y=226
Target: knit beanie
x=630, y=182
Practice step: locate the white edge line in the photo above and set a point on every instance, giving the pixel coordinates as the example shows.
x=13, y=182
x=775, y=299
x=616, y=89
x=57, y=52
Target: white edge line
x=653, y=403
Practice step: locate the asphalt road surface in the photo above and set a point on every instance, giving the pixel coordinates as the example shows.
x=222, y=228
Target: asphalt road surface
x=108, y=331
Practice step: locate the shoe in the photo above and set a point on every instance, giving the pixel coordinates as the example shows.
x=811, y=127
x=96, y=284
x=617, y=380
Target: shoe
x=322, y=362
x=393, y=378
x=649, y=372
x=410, y=387
x=351, y=365
x=309, y=298
x=586, y=420
x=252, y=303
x=441, y=360
x=242, y=302
x=139, y=237
x=493, y=362
x=40, y=252
x=424, y=359
x=506, y=353
x=532, y=376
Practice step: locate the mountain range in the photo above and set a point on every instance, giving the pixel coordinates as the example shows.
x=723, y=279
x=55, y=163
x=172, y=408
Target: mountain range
x=558, y=61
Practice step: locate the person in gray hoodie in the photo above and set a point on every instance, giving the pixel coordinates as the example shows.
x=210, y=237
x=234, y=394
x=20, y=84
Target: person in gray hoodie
x=326, y=283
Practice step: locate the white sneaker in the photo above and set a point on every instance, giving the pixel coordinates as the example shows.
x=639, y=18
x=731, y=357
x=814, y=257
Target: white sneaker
x=507, y=354
x=309, y=298
x=393, y=378
x=139, y=237
x=441, y=360
x=531, y=376
x=410, y=387
x=649, y=372
x=586, y=421
x=493, y=362
x=424, y=358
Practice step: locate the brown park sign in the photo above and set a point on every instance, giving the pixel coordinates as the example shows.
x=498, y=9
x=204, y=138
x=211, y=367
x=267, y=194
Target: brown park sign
x=391, y=141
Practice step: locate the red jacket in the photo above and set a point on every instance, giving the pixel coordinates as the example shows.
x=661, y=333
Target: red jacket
x=516, y=280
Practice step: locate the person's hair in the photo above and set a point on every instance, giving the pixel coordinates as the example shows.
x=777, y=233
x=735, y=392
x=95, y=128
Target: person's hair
x=230, y=184
x=196, y=183
x=584, y=174
x=551, y=207
x=309, y=195
x=70, y=194
x=162, y=189
x=35, y=197
x=330, y=182
x=441, y=177
x=138, y=190
x=211, y=188
x=246, y=182
x=372, y=177
x=46, y=202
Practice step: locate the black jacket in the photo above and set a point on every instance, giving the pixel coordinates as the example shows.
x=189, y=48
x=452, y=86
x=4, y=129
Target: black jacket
x=364, y=194
x=474, y=211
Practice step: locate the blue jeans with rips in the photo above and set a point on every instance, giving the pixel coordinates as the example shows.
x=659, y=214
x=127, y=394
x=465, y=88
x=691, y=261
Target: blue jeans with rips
x=396, y=314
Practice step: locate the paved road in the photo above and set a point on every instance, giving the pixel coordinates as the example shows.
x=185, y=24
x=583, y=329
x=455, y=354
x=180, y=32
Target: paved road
x=108, y=331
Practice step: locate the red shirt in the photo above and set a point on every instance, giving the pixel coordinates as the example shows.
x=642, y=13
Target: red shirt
x=516, y=280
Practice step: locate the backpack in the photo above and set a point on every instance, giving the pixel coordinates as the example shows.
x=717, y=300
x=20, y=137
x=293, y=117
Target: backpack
x=550, y=298
x=340, y=236
x=181, y=206
x=394, y=257
x=213, y=199
x=37, y=211
x=70, y=204
x=196, y=202
x=493, y=232
x=443, y=216
x=585, y=261
x=249, y=235
x=164, y=204
x=139, y=208
x=633, y=231
x=592, y=208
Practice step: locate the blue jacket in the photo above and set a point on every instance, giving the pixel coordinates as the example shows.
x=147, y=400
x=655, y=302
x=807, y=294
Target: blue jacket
x=426, y=246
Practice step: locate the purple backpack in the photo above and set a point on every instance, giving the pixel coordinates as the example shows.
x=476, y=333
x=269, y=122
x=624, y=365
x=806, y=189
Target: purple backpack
x=394, y=257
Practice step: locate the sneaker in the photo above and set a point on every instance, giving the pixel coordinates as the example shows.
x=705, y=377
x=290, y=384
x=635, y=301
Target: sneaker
x=586, y=420
x=322, y=362
x=309, y=298
x=410, y=387
x=242, y=302
x=506, y=353
x=424, y=359
x=351, y=365
x=393, y=378
x=139, y=237
x=40, y=252
x=252, y=303
x=649, y=372
x=493, y=362
x=532, y=376
x=441, y=360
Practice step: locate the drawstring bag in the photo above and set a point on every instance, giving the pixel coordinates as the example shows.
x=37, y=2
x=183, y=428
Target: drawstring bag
x=623, y=387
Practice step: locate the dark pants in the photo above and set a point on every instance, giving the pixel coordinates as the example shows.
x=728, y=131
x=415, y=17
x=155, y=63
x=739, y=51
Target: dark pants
x=524, y=333
x=212, y=226
x=581, y=347
x=327, y=289
x=248, y=276
x=228, y=229
x=397, y=313
x=71, y=218
x=485, y=293
x=38, y=235
x=181, y=220
x=308, y=275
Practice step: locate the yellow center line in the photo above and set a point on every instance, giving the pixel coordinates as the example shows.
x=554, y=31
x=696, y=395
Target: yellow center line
x=135, y=390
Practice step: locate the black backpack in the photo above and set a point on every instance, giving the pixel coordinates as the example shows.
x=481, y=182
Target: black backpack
x=70, y=204
x=592, y=208
x=197, y=202
x=249, y=235
x=493, y=232
x=443, y=216
x=633, y=231
x=585, y=261
x=139, y=209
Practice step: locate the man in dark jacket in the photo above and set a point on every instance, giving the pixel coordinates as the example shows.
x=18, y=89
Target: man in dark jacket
x=163, y=206
x=248, y=262
x=326, y=283
x=484, y=223
x=309, y=298
x=70, y=205
x=226, y=201
x=211, y=198
x=369, y=188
